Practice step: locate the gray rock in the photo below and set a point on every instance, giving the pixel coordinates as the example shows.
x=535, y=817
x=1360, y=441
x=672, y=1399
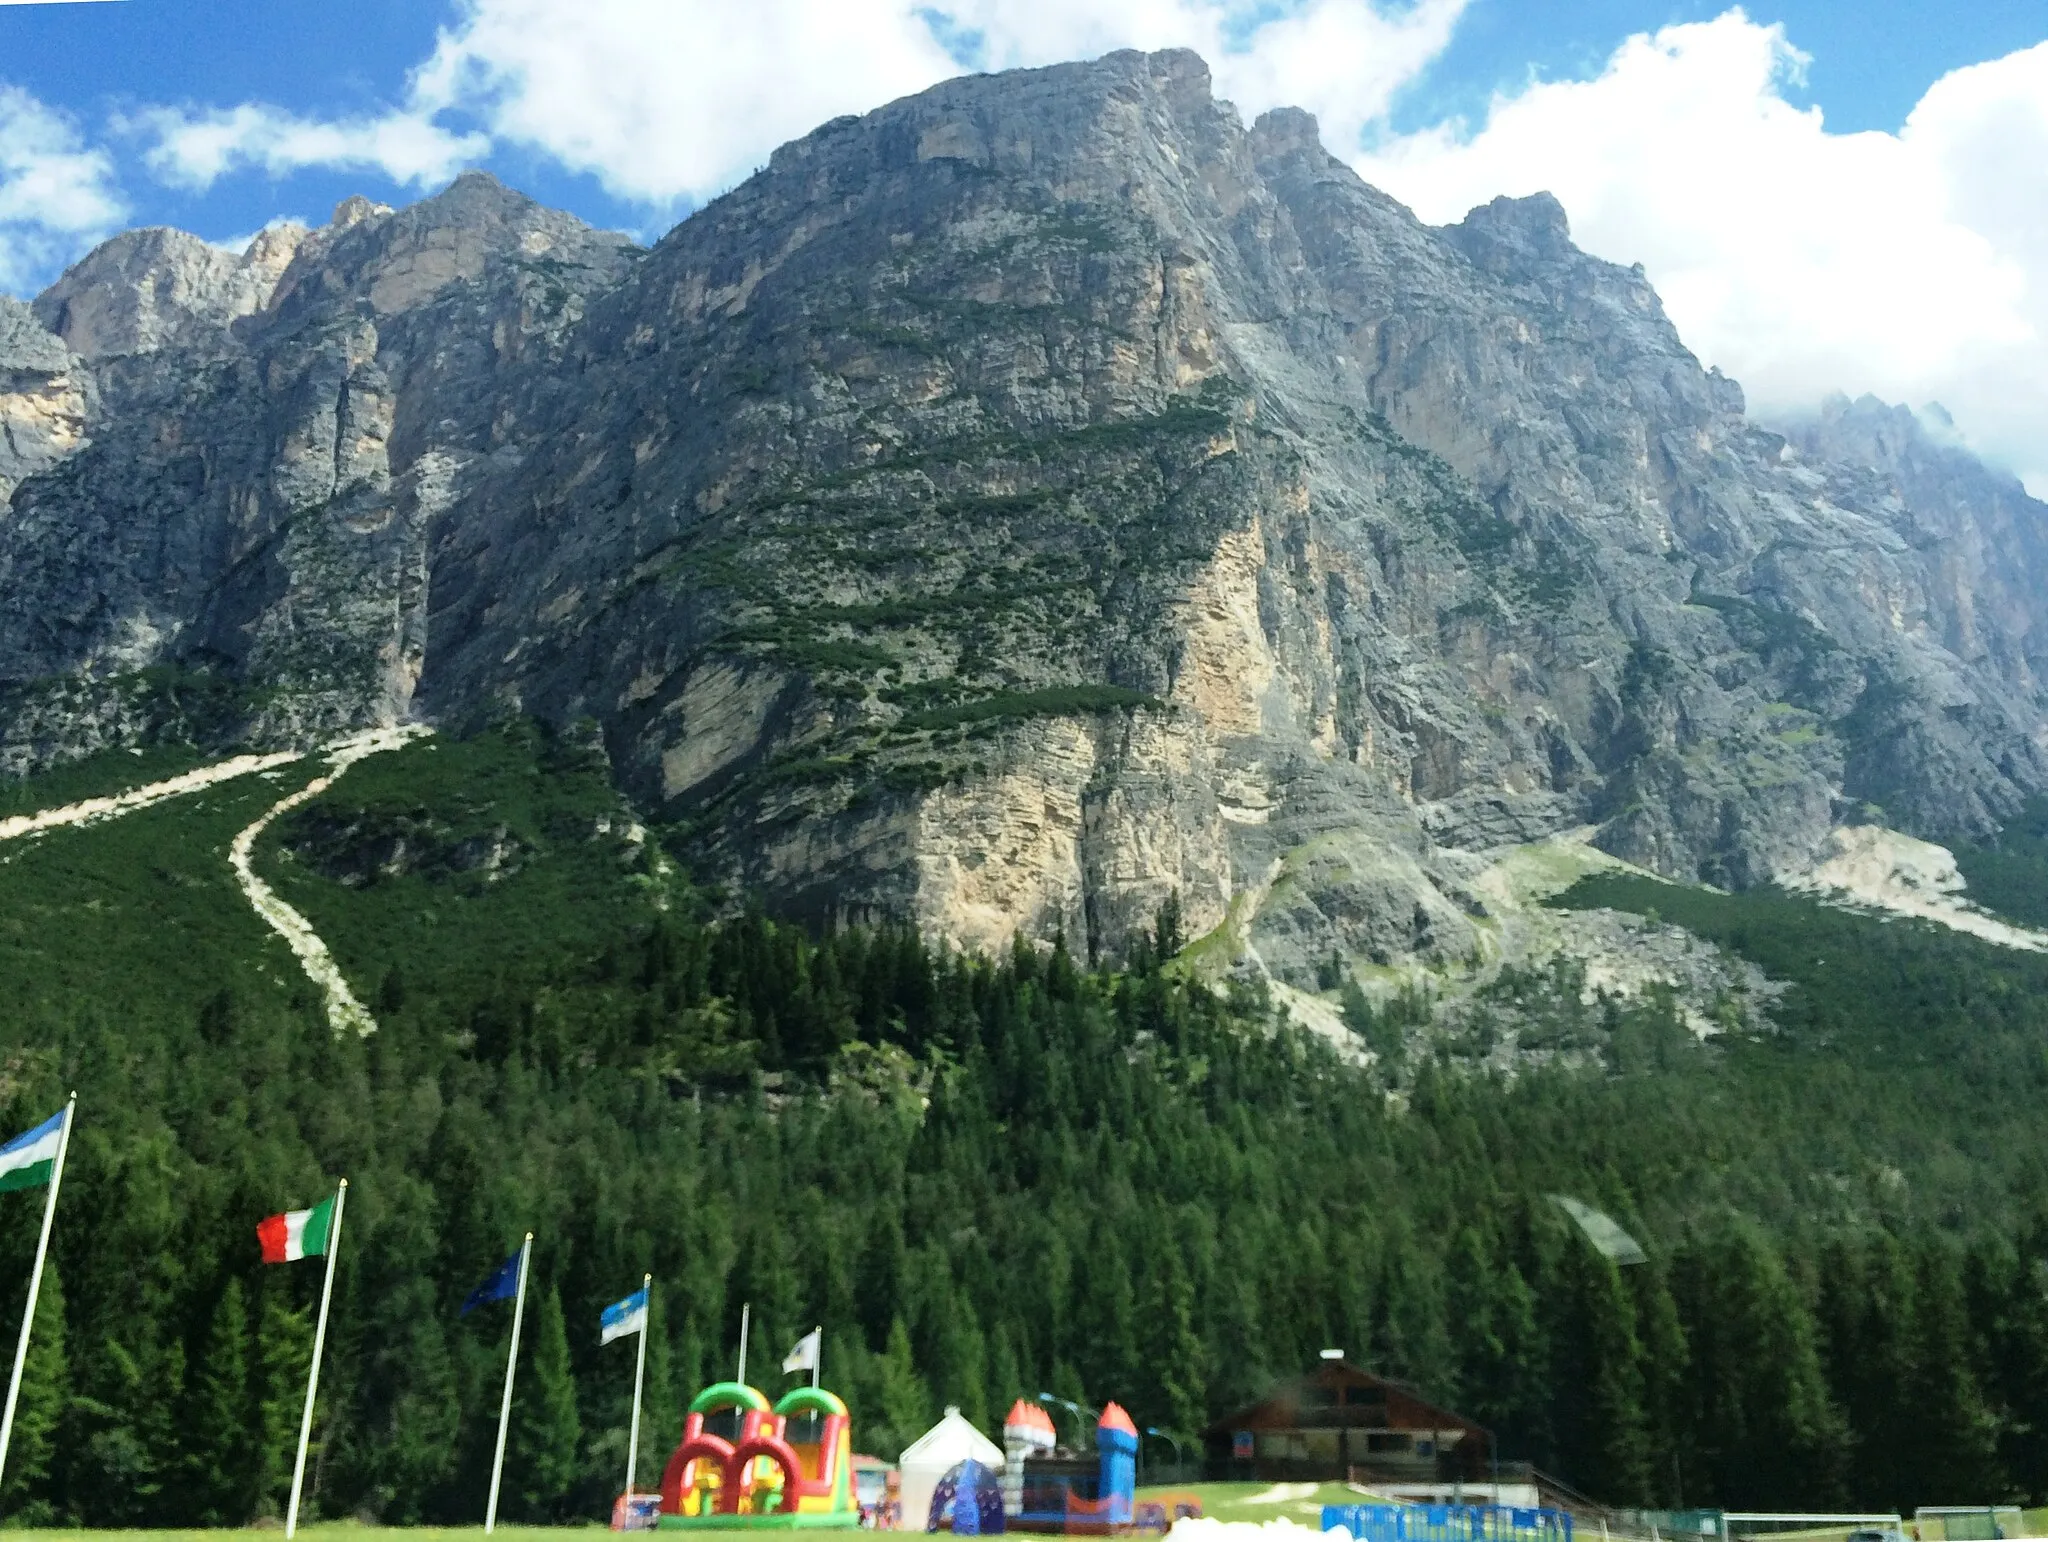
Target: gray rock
x=1022, y=504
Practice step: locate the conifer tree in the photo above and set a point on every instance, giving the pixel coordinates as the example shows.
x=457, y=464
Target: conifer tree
x=1175, y=1357
x=544, y=1457
x=905, y=1412
x=1602, y=1434
x=39, y=1412
x=1667, y=1367
x=878, y=1293
x=220, y=1428
x=661, y=1410
x=284, y=1352
x=1959, y=1450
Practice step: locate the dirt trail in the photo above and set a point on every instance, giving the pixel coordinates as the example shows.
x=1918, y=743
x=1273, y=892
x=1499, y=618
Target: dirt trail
x=93, y=810
x=344, y=1011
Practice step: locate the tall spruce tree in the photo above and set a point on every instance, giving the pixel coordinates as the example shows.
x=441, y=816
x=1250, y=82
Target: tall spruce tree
x=40, y=1410
x=545, y=1457
x=1603, y=1436
x=284, y=1354
x=221, y=1459
x=1958, y=1450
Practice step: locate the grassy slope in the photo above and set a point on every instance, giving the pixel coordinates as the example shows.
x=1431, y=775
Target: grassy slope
x=140, y=912
x=569, y=884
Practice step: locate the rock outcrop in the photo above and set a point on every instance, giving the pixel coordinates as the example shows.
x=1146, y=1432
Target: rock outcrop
x=1038, y=498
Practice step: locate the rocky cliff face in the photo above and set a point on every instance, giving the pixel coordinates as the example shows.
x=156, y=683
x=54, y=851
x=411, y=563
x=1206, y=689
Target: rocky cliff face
x=1037, y=498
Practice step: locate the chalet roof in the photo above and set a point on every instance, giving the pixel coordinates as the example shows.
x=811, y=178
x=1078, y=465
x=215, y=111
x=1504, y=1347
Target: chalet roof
x=1283, y=1407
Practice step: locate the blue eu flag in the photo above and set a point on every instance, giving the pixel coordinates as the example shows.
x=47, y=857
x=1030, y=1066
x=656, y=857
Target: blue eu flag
x=502, y=1286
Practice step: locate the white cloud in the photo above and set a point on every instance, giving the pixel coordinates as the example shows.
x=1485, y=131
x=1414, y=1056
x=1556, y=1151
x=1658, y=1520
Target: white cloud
x=195, y=149
x=57, y=195
x=1913, y=265
x=668, y=101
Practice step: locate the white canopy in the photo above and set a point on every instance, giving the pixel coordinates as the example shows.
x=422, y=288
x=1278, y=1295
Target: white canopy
x=935, y=1453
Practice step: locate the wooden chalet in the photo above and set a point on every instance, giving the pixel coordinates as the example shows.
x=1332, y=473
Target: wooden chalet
x=1341, y=1423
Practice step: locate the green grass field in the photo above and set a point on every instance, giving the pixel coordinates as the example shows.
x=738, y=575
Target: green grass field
x=1301, y=1503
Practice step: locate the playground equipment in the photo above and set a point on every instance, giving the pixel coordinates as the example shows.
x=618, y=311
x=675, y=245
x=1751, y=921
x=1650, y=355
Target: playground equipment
x=1086, y=1495
x=744, y=1465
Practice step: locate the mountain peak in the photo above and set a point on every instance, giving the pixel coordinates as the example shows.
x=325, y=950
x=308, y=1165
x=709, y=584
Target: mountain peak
x=1514, y=236
x=156, y=288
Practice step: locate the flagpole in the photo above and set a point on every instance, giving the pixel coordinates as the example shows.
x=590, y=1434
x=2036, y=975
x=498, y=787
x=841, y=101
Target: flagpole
x=291, y=1516
x=505, y=1408
x=35, y=1282
x=817, y=1356
x=639, y=1373
x=746, y=1308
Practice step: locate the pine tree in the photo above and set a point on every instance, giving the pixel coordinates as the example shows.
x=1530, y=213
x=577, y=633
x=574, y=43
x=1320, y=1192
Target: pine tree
x=1959, y=1443
x=544, y=1459
x=1602, y=1436
x=905, y=1411
x=1174, y=1352
x=221, y=1461
x=1667, y=1363
x=878, y=1292
x=284, y=1354
x=1770, y=1435
x=39, y=1411
x=960, y=1358
x=661, y=1411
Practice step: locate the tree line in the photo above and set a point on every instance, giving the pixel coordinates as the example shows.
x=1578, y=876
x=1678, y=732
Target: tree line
x=985, y=1179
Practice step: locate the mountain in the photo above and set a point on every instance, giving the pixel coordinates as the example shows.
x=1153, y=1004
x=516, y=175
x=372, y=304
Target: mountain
x=1030, y=502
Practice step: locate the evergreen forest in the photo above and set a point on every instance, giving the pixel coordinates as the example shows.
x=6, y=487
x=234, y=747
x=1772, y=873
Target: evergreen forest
x=984, y=1178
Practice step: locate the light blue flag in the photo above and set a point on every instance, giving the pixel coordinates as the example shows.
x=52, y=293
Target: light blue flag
x=624, y=1317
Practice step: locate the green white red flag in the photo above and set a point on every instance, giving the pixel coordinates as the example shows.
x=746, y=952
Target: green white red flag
x=297, y=1233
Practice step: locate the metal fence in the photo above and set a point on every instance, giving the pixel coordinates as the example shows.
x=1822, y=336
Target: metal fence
x=1448, y=1523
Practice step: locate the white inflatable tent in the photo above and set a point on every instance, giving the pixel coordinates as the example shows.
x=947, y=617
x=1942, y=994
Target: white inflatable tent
x=935, y=1453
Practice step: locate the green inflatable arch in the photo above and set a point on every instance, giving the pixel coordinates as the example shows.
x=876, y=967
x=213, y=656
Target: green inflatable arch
x=732, y=1394
x=810, y=1400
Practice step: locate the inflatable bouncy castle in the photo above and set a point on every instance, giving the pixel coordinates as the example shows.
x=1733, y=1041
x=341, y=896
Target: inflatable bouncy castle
x=744, y=1465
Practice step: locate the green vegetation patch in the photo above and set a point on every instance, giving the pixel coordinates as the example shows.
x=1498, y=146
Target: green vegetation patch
x=118, y=921
x=1054, y=701
x=453, y=867
x=2009, y=876
x=98, y=776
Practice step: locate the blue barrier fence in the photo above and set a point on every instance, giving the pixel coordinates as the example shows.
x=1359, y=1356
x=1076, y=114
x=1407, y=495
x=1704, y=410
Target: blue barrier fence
x=1448, y=1523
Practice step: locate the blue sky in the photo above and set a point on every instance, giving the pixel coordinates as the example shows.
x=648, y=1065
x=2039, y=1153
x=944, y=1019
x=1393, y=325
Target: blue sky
x=1895, y=242
x=105, y=59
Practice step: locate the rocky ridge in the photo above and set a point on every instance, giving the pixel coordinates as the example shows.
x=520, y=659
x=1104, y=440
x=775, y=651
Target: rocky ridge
x=1037, y=498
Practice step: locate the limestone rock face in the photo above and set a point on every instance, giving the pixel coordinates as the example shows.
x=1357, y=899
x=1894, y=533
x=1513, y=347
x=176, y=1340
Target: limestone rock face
x=42, y=399
x=1038, y=499
x=160, y=288
x=244, y=550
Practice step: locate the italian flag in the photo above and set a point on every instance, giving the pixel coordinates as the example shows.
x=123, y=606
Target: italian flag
x=26, y=1161
x=297, y=1233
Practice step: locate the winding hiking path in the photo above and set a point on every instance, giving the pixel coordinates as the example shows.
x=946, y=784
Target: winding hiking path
x=344, y=1010
x=93, y=810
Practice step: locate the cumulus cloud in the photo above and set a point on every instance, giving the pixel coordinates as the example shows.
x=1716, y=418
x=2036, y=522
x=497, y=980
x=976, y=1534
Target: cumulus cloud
x=57, y=194
x=195, y=148
x=667, y=102
x=1912, y=264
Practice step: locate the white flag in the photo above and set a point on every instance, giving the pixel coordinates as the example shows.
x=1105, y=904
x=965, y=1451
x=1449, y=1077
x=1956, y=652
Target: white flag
x=805, y=1356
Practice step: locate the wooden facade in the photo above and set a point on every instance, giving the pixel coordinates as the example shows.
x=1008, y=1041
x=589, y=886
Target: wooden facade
x=1342, y=1423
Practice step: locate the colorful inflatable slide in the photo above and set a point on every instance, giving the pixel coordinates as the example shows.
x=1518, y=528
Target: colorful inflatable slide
x=743, y=1465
